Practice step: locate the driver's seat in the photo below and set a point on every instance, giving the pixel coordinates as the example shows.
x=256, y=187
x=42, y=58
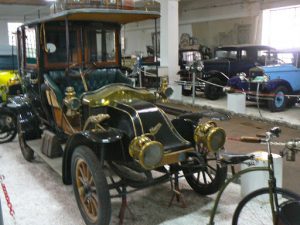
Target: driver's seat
x=55, y=96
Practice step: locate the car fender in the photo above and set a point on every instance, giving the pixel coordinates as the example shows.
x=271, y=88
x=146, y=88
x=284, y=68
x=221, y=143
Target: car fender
x=107, y=145
x=217, y=74
x=236, y=83
x=271, y=85
x=27, y=119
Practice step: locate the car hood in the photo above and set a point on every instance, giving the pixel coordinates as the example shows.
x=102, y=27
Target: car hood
x=278, y=68
x=216, y=60
x=5, y=75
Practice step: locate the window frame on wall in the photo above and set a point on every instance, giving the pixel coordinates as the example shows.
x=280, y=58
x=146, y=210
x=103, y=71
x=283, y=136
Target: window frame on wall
x=12, y=31
x=281, y=27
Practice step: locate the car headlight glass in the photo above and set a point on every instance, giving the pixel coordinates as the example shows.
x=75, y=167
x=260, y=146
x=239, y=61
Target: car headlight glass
x=242, y=76
x=210, y=135
x=147, y=152
x=266, y=78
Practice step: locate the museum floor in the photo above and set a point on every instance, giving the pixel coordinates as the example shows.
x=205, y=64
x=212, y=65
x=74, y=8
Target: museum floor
x=39, y=197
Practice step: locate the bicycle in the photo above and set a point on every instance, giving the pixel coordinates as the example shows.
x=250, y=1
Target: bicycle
x=282, y=207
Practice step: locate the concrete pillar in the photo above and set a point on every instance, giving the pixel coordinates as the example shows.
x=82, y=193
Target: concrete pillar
x=169, y=38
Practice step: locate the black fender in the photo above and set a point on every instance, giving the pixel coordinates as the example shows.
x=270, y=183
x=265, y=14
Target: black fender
x=107, y=145
x=216, y=74
x=27, y=119
x=185, y=127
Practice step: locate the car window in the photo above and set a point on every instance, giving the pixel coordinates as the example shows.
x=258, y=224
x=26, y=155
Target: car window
x=191, y=56
x=101, y=45
x=222, y=54
x=244, y=54
x=30, y=46
x=58, y=39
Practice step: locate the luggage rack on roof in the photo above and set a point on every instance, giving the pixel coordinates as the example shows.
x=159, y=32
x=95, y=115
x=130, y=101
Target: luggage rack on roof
x=62, y=5
x=66, y=5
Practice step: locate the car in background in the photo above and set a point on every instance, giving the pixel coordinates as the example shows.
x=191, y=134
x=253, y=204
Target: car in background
x=276, y=85
x=186, y=58
x=9, y=78
x=228, y=61
x=10, y=85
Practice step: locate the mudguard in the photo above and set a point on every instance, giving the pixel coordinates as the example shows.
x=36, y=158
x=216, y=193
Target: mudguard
x=26, y=118
x=107, y=145
x=271, y=85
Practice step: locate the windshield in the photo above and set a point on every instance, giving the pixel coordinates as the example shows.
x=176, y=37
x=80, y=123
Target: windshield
x=223, y=54
x=191, y=56
x=88, y=44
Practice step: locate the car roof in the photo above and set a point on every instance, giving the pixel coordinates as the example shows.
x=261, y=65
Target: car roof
x=245, y=46
x=120, y=16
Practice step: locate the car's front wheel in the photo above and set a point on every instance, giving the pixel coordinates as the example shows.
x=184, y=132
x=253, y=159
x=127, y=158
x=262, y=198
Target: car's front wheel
x=205, y=175
x=90, y=187
x=8, y=126
x=279, y=102
x=212, y=89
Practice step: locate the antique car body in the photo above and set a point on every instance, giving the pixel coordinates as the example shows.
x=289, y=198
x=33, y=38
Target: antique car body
x=82, y=116
x=10, y=85
x=228, y=61
x=275, y=84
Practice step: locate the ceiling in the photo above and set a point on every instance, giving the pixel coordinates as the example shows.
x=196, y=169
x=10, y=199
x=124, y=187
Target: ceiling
x=25, y=2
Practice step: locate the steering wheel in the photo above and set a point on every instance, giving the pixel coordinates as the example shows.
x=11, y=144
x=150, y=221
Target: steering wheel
x=78, y=73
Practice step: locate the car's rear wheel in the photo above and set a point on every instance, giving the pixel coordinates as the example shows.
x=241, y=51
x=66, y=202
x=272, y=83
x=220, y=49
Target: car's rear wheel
x=90, y=187
x=205, y=176
x=212, y=90
x=279, y=101
x=8, y=126
x=27, y=152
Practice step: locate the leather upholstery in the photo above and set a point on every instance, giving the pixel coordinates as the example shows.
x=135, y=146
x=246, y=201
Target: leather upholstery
x=58, y=81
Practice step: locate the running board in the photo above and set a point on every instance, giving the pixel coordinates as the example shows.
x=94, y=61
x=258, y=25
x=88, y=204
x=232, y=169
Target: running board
x=54, y=163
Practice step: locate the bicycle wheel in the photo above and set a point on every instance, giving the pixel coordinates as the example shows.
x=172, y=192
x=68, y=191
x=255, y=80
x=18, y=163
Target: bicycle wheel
x=255, y=208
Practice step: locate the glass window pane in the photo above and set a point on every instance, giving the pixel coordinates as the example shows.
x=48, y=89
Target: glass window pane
x=30, y=45
x=58, y=39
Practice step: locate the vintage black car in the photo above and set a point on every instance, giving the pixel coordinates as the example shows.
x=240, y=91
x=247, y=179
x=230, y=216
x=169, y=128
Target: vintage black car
x=228, y=61
x=82, y=116
x=186, y=58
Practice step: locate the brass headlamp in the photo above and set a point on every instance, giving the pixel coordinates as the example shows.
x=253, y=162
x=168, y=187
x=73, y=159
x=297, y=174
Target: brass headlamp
x=147, y=152
x=71, y=101
x=14, y=80
x=210, y=135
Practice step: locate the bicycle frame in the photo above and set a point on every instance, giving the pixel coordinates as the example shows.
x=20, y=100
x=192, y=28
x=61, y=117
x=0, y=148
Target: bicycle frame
x=227, y=182
x=271, y=183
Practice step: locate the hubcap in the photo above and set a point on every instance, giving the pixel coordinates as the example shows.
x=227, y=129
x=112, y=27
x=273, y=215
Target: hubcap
x=279, y=99
x=87, y=190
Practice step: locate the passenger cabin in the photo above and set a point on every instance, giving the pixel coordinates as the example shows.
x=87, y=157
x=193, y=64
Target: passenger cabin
x=78, y=48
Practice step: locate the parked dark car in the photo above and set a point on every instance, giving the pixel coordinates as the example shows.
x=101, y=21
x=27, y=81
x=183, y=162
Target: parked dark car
x=186, y=58
x=82, y=116
x=228, y=61
x=276, y=85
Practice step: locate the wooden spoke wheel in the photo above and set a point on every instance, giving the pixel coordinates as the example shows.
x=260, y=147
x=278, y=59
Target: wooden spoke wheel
x=90, y=187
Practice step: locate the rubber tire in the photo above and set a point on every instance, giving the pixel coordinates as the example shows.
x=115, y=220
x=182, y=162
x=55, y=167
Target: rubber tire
x=256, y=193
x=212, y=92
x=271, y=103
x=207, y=189
x=14, y=133
x=27, y=152
x=86, y=154
x=186, y=92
